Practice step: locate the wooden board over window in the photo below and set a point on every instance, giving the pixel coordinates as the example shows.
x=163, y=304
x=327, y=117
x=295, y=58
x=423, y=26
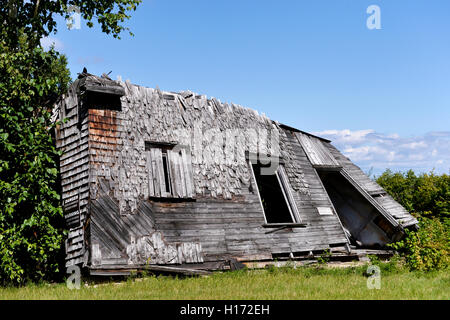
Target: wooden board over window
x=169, y=171
x=317, y=153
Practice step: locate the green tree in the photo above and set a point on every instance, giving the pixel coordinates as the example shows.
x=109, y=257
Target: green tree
x=31, y=79
x=30, y=215
x=425, y=195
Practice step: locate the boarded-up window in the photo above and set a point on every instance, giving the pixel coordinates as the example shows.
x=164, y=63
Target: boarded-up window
x=169, y=171
x=317, y=152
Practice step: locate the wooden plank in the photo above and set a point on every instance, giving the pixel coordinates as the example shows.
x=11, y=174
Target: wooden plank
x=156, y=177
x=76, y=179
x=151, y=186
x=117, y=90
x=328, y=158
x=181, y=187
x=286, y=188
x=215, y=234
x=77, y=150
x=174, y=164
x=74, y=164
x=315, y=150
x=113, y=269
x=160, y=169
x=227, y=217
x=309, y=150
x=172, y=158
x=316, y=145
x=182, y=168
x=187, y=163
x=75, y=171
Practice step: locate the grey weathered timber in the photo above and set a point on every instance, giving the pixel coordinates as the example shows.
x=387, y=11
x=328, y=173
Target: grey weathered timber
x=162, y=181
x=117, y=90
x=317, y=153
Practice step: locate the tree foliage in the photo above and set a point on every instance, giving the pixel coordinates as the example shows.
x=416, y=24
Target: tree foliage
x=36, y=18
x=30, y=215
x=31, y=79
x=427, y=196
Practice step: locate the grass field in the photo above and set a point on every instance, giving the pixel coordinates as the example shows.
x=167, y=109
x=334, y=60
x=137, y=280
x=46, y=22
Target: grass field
x=274, y=283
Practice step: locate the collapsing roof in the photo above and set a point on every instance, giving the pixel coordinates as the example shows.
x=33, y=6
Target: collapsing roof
x=162, y=178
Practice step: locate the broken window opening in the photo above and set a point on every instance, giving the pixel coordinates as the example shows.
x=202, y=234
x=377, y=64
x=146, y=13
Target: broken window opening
x=276, y=199
x=102, y=101
x=366, y=225
x=166, y=171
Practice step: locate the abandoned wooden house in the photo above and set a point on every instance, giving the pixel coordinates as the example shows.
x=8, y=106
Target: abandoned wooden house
x=177, y=180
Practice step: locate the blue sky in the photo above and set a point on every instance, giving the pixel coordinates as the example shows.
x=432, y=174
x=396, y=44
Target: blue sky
x=382, y=96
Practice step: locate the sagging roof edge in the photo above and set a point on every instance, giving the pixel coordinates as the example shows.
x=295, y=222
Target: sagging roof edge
x=106, y=82
x=284, y=126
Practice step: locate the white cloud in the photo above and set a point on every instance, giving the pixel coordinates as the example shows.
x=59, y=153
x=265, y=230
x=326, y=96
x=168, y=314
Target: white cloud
x=347, y=136
x=414, y=145
x=47, y=42
x=416, y=156
x=376, y=151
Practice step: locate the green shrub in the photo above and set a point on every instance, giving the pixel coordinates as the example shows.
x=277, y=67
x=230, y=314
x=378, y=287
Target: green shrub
x=428, y=248
x=426, y=196
x=324, y=257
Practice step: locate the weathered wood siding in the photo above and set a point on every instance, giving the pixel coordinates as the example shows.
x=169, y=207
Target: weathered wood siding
x=226, y=219
x=72, y=140
x=221, y=229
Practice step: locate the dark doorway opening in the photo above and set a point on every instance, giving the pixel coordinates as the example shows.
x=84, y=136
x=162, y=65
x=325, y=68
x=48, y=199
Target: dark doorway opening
x=366, y=225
